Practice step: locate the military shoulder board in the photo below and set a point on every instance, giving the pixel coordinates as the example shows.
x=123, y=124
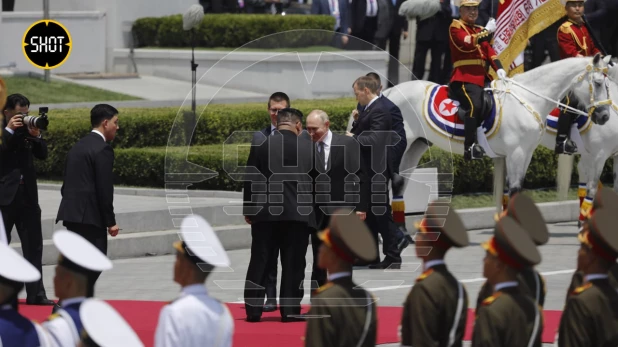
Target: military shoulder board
x=424, y=275
x=581, y=288
x=324, y=287
x=491, y=299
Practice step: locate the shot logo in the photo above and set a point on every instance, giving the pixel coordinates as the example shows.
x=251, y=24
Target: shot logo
x=47, y=44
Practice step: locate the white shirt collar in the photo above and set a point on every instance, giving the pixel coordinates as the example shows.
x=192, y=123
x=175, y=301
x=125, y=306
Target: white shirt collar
x=98, y=132
x=75, y=300
x=337, y=275
x=592, y=277
x=503, y=285
x=194, y=289
x=428, y=265
x=327, y=138
x=272, y=128
x=371, y=102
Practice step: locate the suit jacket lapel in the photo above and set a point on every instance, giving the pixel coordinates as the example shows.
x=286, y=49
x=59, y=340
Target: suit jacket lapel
x=334, y=152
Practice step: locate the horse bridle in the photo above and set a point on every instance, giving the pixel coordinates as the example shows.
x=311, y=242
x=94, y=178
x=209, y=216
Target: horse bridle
x=590, y=69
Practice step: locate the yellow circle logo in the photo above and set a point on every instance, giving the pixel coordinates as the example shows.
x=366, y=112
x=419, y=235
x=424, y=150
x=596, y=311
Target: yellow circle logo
x=47, y=44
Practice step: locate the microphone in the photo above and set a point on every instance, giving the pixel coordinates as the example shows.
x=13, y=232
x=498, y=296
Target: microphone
x=193, y=17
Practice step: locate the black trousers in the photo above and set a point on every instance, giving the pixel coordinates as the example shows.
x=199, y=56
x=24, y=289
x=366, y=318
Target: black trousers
x=292, y=238
x=318, y=276
x=363, y=40
x=271, y=281
x=394, y=43
x=438, y=49
x=98, y=237
x=26, y=217
x=380, y=221
x=470, y=97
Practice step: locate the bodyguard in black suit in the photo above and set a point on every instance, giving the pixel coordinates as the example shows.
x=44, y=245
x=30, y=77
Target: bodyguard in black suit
x=87, y=205
x=432, y=34
x=280, y=210
x=393, y=36
x=342, y=181
x=19, y=198
x=373, y=131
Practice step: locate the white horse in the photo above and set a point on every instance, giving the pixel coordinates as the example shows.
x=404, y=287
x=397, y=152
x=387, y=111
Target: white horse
x=595, y=145
x=521, y=111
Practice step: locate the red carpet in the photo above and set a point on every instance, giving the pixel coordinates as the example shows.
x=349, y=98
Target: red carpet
x=270, y=332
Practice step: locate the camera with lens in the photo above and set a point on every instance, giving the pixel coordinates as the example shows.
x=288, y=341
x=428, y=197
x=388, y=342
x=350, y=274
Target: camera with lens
x=40, y=122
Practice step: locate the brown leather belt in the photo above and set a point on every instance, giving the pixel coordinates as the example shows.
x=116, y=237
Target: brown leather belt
x=467, y=62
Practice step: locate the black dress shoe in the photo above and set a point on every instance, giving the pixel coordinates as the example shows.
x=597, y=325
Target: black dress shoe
x=254, y=319
x=387, y=264
x=270, y=306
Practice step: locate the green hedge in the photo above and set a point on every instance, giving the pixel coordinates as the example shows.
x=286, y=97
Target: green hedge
x=235, y=30
x=141, y=143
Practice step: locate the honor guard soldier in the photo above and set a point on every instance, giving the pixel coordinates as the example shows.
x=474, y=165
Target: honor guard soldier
x=77, y=261
x=196, y=319
x=15, y=329
x=525, y=212
x=342, y=313
x=435, y=312
x=574, y=40
x=606, y=199
x=105, y=327
x=470, y=53
x=590, y=317
x=508, y=318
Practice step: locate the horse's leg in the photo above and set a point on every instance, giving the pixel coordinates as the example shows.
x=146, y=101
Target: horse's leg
x=499, y=183
x=516, y=166
x=584, y=166
x=596, y=169
x=615, y=158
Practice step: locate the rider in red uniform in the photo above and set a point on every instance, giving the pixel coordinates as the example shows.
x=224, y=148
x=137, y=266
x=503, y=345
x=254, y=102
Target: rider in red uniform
x=574, y=40
x=471, y=54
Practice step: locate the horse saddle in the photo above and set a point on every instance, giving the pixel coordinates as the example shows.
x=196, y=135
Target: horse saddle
x=487, y=106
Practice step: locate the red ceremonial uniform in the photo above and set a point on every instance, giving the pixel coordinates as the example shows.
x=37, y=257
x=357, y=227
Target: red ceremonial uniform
x=574, y=39
x=468, y=55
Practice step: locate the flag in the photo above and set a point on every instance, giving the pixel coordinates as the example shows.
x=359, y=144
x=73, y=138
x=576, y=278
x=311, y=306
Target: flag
x=517, y=22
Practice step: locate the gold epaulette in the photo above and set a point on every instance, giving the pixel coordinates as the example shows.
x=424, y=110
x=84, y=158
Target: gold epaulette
x=457, y=24
x=324, y=287
x=491, y=299
x=582, y=288
x=566, y=27
x=424, y=275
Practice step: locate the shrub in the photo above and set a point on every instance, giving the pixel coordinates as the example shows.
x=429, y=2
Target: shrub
x=235, y=30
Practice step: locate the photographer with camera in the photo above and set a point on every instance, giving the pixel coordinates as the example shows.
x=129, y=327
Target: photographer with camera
x=19, y=201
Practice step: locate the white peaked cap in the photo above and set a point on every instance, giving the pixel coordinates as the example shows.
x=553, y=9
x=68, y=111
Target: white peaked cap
x=200, y=241
x=82, y=255
x=105, y=326
x=15, y=268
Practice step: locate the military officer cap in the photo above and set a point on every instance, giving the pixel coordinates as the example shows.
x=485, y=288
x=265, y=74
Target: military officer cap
x=564, y=2
x=200, y=244
x=600, y=235
x=103, y=326
x=463, y=3
x=512, y=244
x=78, y=254
x=14, y=269
x=525, y=212
x=349, y=237
x=443, y=225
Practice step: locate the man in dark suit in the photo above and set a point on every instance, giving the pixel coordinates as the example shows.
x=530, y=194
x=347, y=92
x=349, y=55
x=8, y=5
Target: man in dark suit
x=87, y=205
x=398, y=28
x=373, y=131
x=276, y=102
x=280, y=210
x=19, y=198
x=339, y=10
x=432, y=35
x=342, y=183
x=363, y=24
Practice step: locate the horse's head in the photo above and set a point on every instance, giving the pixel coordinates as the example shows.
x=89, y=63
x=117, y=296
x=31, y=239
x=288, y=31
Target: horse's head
x=591, y=90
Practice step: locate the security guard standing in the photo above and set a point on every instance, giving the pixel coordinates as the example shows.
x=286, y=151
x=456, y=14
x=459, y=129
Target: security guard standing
x=470, y=52
x=574, y=40
x=78, y=259
x=590, y=317
x=196, y=319
x=435, y=311
x=15, y=329
x=607, y=199
x=508, y=318
x=525, y=212
x=343, y=314
x=105, y=327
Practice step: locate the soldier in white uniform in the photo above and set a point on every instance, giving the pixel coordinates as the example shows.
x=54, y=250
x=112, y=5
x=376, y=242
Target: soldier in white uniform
x=78, y=258
x=195, y=319
x=105, y=327
x=15, y=329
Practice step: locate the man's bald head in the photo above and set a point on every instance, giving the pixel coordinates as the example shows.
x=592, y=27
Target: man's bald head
x=317, y=124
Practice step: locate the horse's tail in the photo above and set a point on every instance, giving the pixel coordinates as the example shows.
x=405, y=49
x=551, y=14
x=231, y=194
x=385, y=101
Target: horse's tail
x=499, y=179
x=563, y=179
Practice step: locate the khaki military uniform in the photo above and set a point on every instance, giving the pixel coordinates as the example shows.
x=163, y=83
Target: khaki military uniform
x=578, y=280
x=508, y=318
x=590, y=317
x=435, y=311
x=531, y=283
x=342, y=314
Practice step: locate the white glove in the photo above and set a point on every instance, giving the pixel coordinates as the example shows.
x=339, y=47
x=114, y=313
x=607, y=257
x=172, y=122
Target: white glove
x=491, y=25
x=502, y=74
